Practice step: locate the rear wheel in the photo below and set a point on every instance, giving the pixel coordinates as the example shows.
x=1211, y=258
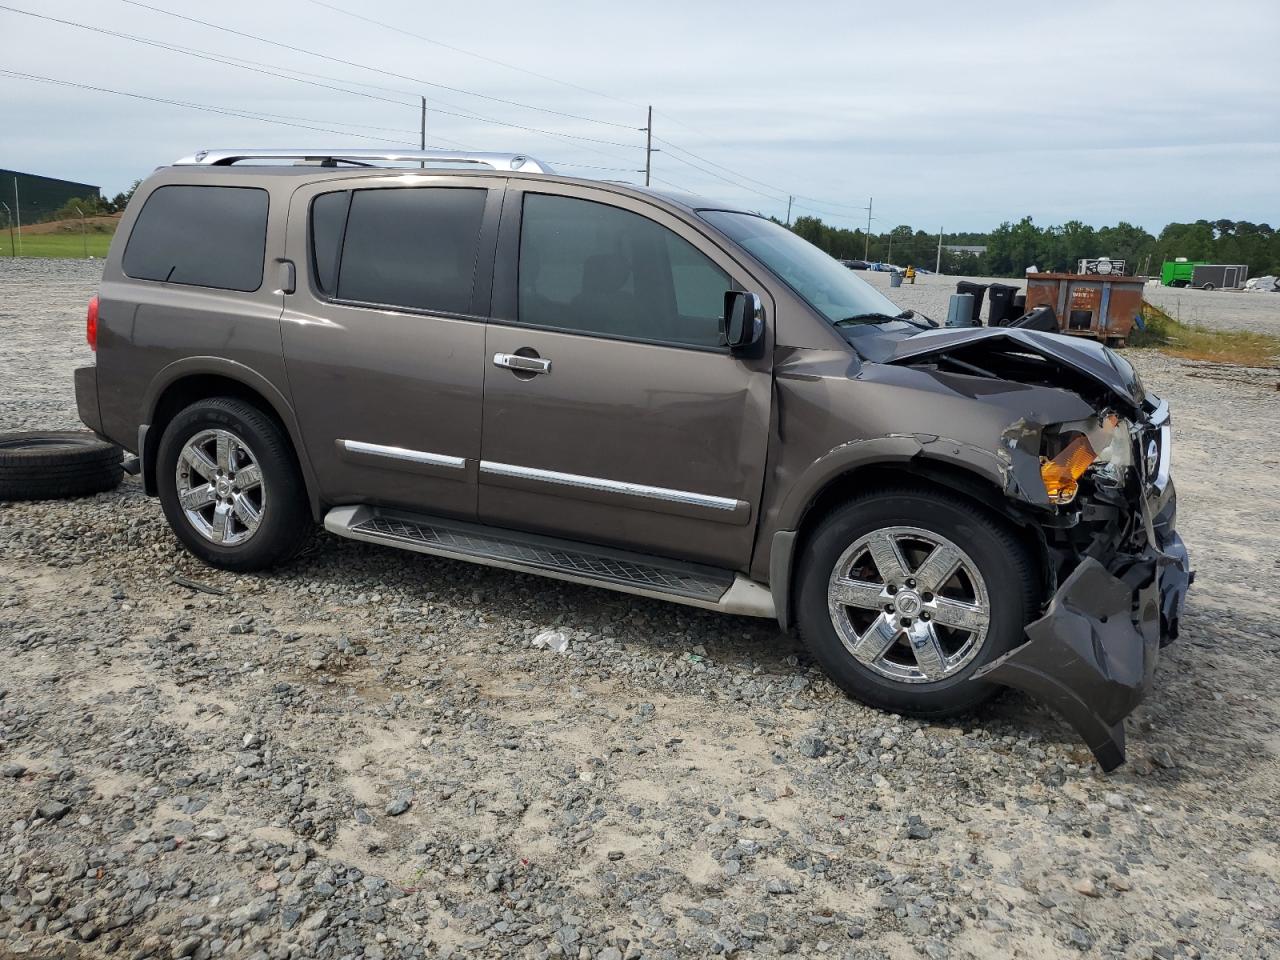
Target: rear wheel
x=230, y=487
x=903, y=595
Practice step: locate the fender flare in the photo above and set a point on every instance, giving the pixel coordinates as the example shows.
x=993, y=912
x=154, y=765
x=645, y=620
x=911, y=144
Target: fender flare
x=840, y=462
x=246, y=376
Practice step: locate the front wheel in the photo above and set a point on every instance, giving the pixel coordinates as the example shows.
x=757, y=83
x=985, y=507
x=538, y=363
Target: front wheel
x=902, y=595
x=230, y=487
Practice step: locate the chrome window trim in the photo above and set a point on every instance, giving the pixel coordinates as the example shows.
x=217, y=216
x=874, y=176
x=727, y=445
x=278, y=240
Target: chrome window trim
x=401, y=453
x=610, y=486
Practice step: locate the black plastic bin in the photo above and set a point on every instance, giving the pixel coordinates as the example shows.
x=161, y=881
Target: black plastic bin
x=1000, y=312
x=978, y=290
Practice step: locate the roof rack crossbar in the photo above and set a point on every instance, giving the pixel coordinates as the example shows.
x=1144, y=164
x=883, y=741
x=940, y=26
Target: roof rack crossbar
x=367, y=158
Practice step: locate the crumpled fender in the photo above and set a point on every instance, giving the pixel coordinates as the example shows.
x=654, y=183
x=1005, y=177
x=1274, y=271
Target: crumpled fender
x=1092, y=655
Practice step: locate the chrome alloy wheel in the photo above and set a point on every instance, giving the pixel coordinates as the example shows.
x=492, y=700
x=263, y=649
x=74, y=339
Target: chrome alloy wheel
x=220, y=487
x=909, y=604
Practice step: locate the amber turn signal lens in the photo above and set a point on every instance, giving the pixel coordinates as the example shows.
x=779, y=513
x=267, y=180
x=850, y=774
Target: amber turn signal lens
x=1062, y=473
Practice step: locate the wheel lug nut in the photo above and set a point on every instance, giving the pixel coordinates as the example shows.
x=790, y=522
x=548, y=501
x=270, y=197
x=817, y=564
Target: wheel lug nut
x=892, y=589
x=924, y=616
x=888, y=608
x=906, y=621
x=911, y=583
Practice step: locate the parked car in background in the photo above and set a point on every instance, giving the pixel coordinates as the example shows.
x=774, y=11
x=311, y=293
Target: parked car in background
x=856, y=264
x=616, y=387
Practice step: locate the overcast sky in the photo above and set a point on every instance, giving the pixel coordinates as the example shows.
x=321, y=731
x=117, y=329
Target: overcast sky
x=956, y=115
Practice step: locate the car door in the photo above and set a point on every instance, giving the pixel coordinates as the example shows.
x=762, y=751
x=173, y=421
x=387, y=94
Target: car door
x=384, y=335
x=611, y=413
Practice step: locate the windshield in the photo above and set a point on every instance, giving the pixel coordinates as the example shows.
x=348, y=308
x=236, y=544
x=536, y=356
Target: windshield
x=827, y=285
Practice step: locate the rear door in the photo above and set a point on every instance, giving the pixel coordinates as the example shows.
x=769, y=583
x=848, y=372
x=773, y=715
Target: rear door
x=384, y=335
x=611, y=412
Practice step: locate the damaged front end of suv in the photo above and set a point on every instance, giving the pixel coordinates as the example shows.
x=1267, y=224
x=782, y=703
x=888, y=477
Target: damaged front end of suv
x=1098, y=493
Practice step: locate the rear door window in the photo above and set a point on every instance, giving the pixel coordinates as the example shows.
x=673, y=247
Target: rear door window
x=412, y=247
x=599, y=269
x=200, y=236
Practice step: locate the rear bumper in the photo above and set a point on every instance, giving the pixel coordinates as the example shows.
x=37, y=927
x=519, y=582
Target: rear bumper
x=86, y=380
x=1093, y=654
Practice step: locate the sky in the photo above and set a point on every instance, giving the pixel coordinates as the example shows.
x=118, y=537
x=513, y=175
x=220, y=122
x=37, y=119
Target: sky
x=949, y=115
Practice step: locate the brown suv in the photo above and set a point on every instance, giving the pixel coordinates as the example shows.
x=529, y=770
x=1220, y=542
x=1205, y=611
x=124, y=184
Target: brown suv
x=467, y=355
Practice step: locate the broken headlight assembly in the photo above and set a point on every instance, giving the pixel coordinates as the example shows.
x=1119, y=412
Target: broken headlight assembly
x=1103, y=443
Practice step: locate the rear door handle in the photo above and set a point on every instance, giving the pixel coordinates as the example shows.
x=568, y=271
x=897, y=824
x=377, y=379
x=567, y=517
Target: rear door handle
x=513, y=361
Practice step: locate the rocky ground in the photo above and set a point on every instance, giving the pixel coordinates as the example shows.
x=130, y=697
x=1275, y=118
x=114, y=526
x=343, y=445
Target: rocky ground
x=370, y=753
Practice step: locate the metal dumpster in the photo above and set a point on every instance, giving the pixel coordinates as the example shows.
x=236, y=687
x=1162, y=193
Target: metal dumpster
x=1089, y=305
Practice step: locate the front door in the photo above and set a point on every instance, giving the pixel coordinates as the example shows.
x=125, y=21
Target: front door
x=611, y=413
x=384, y=336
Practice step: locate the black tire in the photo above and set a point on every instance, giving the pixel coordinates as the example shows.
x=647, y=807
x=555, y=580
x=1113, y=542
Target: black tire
x=1002, y=561
x=1207, y=286
x=53, y=464
x=285, y=523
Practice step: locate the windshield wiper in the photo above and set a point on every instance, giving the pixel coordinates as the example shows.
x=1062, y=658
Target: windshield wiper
x=907, y=315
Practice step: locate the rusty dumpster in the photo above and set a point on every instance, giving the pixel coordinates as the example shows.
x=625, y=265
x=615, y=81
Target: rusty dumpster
x=1089, y=305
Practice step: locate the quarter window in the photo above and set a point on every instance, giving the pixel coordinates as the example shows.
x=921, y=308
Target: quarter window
x=201, y=237
x=594, y=268
x=407, y=247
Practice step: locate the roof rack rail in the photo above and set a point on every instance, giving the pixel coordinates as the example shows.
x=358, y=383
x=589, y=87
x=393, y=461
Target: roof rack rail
x=368, y=158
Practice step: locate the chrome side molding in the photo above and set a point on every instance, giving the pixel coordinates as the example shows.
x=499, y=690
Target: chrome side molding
x=401, y=453
x=602, y=485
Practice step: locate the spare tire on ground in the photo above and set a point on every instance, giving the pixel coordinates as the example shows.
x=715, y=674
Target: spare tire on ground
x=50, y=464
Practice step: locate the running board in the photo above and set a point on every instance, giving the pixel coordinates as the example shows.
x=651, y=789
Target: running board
x=688, y=583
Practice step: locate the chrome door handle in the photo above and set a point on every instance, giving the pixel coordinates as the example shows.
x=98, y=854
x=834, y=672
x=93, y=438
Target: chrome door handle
x=513, y=361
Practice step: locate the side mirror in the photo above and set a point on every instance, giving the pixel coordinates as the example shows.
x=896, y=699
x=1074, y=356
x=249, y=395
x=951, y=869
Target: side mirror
x=743, y=323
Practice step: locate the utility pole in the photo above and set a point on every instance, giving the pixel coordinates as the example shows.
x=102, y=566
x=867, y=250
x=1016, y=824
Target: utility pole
x=938, y=266
x=84, y=237
x=789, y=199
x=422, y=133
x=17, y=207
x=8, y=216
x=648, y=146
x=866, y=244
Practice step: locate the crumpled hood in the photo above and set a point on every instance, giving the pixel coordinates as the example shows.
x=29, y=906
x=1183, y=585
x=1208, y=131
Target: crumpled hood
x=1086, y=357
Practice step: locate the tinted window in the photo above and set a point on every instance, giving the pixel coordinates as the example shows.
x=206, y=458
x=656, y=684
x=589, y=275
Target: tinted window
x=412, y=247
x=201, y=236
x=599, y=269
x=328, y=218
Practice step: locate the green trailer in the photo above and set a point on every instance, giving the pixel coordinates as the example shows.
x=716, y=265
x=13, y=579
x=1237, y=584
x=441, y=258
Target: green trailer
x=1179, y=272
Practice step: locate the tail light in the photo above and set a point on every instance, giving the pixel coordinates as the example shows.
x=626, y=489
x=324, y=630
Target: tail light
x=91, y=324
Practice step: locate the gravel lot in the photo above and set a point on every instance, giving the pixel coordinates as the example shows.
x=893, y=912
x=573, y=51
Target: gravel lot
x=365, y=754
x=1216, y=309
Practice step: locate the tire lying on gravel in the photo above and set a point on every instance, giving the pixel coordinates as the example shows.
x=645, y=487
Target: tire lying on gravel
x=52, y=464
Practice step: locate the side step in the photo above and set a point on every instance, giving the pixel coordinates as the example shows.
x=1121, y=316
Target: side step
x=687, y=583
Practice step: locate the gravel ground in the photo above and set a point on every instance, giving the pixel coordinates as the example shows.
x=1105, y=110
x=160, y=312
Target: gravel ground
x=369, y=754
x=1216, y=309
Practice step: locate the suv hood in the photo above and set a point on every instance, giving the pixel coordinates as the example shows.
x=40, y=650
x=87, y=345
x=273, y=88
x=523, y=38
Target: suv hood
x=1079, y=355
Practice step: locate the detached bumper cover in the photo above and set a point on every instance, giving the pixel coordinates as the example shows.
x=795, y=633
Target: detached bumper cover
x=1093, y=654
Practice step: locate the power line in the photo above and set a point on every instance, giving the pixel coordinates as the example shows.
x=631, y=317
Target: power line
x=242, y=64
x=362, y=66
x=304, y=123
x=471, y=53
x=743, y=176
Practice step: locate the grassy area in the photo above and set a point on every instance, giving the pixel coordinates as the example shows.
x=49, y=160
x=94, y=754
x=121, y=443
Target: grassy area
x=1194, y=342
x=56, y=245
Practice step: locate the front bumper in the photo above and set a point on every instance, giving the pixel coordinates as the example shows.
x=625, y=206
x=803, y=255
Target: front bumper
x=1093, y=654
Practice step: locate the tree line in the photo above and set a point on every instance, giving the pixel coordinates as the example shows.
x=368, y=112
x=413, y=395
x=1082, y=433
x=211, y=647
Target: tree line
x=1012, y=247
